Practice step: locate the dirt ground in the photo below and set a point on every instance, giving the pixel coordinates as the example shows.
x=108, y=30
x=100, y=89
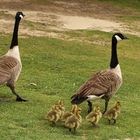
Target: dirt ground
x=54, y=17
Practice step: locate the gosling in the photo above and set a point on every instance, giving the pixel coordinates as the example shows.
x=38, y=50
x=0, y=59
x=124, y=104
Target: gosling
x=74, y=121
x=61, y=107
x=54, y=115
x=70, y=113
x=113, y=113
x=94, y=116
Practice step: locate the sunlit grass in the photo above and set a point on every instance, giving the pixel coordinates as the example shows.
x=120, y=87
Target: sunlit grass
x=59, y=68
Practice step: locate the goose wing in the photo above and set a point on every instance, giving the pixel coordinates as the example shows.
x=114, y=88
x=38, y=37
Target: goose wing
x=7, y=63
x=99, y=85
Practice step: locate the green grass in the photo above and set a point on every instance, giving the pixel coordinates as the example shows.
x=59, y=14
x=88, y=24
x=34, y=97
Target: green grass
x=126, y=3
x=135, y=4
x=59, y=68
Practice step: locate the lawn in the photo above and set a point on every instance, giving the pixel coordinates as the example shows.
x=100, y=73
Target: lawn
x=58, y=68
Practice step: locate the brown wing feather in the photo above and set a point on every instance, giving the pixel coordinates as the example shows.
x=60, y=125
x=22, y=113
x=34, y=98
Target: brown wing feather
x=7, y=63
x=101, y=83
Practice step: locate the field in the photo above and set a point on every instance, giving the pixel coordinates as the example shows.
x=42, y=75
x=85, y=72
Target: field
x=59, y=62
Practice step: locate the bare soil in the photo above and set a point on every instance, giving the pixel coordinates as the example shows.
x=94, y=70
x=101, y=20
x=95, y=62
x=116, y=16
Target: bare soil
x=52, y=18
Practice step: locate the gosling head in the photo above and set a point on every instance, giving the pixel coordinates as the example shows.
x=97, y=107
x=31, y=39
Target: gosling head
x=118, y=104
x=74, y=108
x=60, y=102
x=79, y=110
x=97, y=109
x=55, y=107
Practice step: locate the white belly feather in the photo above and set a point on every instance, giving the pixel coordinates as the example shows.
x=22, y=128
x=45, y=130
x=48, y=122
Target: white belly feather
x=15, y=53
x=117, y=70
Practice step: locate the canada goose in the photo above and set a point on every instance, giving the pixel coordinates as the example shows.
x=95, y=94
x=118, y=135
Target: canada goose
x=10, y=63
x=73, y=122
x=113, y=113
x=94, y=116
x=103, y=84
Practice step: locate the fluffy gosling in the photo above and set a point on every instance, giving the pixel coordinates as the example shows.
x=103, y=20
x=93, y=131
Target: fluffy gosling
x=94, y=116
x=70, y=113
x=54, y=115
x=73, y=122
x=56, y=112
x=61, y=107
x=60, y=102
x=113, y=113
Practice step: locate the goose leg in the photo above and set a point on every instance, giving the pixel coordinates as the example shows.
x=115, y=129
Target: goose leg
x=53, y=124
x=114, y=121
x=109, y=121
x=18, y=99
x=74, y=130
x=106, y=105
x=89, y=106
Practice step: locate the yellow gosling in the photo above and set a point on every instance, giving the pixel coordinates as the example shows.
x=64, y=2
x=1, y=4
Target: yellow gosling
x=68, y=114
x=73, y=122
x=60, y=106
x=60, y=102
x=54, y=115
x=113, y=113
x=94, y=116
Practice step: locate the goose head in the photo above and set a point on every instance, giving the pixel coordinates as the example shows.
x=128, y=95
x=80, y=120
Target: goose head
x=19, y=16
x=118, y=37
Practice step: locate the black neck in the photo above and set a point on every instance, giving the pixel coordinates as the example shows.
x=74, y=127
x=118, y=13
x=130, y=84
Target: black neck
x=114, y=58
x=14, y=41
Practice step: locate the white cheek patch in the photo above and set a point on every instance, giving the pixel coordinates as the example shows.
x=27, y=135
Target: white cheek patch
x=94, y=97
x=21, y=16
x=118, y=38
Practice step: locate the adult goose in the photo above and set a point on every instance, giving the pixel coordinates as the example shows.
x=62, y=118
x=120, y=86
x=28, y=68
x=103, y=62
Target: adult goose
x=103, y=84
x=10, y=63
